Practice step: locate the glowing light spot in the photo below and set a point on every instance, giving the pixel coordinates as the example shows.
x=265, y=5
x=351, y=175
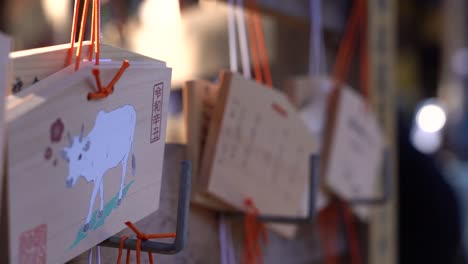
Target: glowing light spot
x=431, y=118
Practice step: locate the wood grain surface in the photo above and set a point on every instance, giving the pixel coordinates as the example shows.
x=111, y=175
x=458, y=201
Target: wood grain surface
x=34, y=65
x=32, y=171
x=5, y=46
x=258, y=148
x=202, y=244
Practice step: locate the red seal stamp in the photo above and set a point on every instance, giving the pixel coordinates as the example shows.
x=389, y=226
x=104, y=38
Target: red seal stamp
x=33, y=246
x=156, y=114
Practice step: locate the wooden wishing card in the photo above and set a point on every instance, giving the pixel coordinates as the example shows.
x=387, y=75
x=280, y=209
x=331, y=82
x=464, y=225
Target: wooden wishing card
x=77, y=168
x=309, y=94
x=257, y=148
x=85, y=150
x=5, y=46
x=199, y=101
x=353, y=149
x=354, y=145
x=29, y=66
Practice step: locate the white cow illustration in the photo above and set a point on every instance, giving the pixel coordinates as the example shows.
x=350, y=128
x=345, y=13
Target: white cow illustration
x=106, y=146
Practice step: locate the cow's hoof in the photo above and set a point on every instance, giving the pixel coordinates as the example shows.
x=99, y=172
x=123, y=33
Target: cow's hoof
x=119, y=201
x=100, y=213
x=85, y=228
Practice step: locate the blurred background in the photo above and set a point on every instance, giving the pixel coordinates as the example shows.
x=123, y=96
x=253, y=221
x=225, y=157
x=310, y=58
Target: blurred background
x=431, y=84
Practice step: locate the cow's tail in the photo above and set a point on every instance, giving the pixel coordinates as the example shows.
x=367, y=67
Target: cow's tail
x=133, y=162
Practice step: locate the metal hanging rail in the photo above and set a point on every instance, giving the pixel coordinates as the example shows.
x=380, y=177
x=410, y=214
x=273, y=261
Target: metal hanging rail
x=181, y=226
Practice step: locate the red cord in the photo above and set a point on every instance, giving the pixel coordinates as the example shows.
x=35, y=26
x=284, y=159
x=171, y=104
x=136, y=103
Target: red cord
x=97, y=28
x=261, y=45
x=102, y=91
x=348, y=43
x=93, y=32
x=254, y=48
x=73, y=32
x=328, y=219
x=328, y=233
x=254, y=231
x=353, y=240
x=140, y=237
x=81, y=37
x=258, y=49
x=364, y=74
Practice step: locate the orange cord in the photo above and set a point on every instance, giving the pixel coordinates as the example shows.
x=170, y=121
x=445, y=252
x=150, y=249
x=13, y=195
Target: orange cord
x=253, y=48
x=364, y=74
x=140, y=237
x=257, y=46
x=97, y=29
x=328, y=219
x=93, y=31
x=328, y=225
x=73, y=32
x=102, y=91
x=121, y=246
x=353, y=240
x=347, y=46
x=81, y=37
x=328, y=233
x=254, y=230
x=261, y=45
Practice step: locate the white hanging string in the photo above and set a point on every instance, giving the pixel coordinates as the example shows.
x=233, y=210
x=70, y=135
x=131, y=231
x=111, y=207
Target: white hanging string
x=232, y=37
x=230, y=245
x=317, y=58
x=243, y=39
x=98, y=255
x=223, y=241
x=90, y=256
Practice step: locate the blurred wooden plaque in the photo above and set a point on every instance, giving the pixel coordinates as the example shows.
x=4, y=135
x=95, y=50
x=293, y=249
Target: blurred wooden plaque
x=258, y=148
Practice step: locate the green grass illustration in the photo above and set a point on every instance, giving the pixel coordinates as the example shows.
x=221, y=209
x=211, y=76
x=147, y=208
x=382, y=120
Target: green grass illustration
x=97, y=222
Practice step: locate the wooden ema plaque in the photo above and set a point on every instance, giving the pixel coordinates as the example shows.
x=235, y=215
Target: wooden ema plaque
x=29, y=66
x=353, y=149
x=78, y=169
x=5, y=46
x=259, y=148
x=199, y=101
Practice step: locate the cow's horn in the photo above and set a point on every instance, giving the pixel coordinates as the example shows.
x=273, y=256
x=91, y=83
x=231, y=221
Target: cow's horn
x=81, y=133
x=70, y=138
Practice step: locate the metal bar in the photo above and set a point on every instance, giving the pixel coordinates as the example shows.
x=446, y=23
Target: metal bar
x=183, y=208
x=387, y=174
x=310, y=218
x=181, y=226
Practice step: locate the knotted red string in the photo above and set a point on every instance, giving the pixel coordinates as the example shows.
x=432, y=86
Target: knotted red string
x=103, y=92
x=140, y=237
x=95, y=47
x=254, y=230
